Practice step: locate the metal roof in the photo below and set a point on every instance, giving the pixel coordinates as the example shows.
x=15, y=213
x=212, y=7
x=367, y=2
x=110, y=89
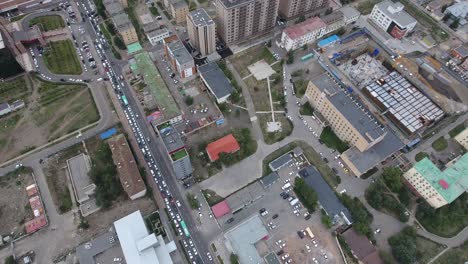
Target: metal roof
x=171, y=138
x=215, y=79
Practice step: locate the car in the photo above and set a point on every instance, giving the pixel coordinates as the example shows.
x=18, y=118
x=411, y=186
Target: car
x=117, y=259
x=278, y=242
x=335, y=170
x=264, y=213
x=377, y=231
x=262, y=210
x=285, y=256
x=274, y=216
x=308, y=217
x=300, y=234
x=230, y=220
x=178, y=203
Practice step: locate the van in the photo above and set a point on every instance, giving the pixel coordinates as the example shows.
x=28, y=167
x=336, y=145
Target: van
x=286, y=186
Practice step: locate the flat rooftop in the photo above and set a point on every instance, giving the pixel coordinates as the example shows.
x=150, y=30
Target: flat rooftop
x=127, y=168
x=390, y=8
x=234, y=3
x=405, y=104
x=166, y=104
x=201, y=18
x=285, y=159
x=170, y=138
x=310, y=25
x=12, y=4
x=86, y=252
x=121, y=21
x=243, y=238
x=215, y=79
x=114, y=8
x=79, y=166
x=180, y=52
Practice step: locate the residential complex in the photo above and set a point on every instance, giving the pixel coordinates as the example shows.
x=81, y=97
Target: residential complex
x=238, y=21
x=179, y=11
x=370, y=142
x=202, y=31
x=180, y=59
x=391, y=17
x=216, y=82
x=439, y=187
x=138, y=245
x=127, y=167
x=303, y=33
x=293, y=8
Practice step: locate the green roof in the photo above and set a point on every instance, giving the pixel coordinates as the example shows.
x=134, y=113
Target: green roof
x=134, y=48
x=450, y=183
x=179, y=154
x=158, y=88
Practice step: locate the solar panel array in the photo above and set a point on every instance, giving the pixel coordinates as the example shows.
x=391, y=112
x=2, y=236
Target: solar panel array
x=406, y=103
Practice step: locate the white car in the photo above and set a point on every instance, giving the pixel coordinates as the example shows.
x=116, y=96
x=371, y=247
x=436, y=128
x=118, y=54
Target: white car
x=178, y=203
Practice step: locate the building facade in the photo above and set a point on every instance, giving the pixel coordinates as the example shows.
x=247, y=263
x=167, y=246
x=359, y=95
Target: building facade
x=293, y=8
x=202, y=31
x=157, y=36
x=391, y=17
x=303, y=33
x=350, y=14
x=238, y=21
x=125, y=28
x=334, y=21
x=180, y=59
x=438, y=187
x=179, y=11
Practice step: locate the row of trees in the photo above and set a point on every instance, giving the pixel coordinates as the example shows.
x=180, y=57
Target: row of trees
x=306, y=194
x=362, y=218
x=403, y=246
x=393, y=178
x=379, y=199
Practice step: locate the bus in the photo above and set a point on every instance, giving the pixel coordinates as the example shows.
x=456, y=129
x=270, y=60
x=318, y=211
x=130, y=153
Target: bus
x=308, y=56
x=184, y=227
x=124, y=100
x=309, y=232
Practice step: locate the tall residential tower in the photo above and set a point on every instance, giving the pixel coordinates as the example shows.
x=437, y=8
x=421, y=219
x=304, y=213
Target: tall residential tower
x=293, y=8
x=202, y=31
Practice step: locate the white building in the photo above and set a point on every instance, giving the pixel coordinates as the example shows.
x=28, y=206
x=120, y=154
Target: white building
x=350, y=14
x=4, y=109
x=303, y=33
x=390, y=17
x=459, y=10
x=157, y=36
x=138, y=246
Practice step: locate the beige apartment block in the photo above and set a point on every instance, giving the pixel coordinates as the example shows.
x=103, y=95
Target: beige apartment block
x=241, y=20
x=179, y=11
x=125, y=28
x=293, y=8
x=202, y=31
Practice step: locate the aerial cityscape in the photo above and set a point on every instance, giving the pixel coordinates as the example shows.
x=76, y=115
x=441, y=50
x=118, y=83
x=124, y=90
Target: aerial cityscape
x=233, y=131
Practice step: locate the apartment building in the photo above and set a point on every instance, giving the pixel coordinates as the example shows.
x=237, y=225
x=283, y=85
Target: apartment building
x=156, y=36
x=391, y=17
x=241, y=20
x=294, y=8
x=350, y=14
x=179, y=11
x=202, y=31
x=125, y=28
x=334, y=21
x=370, y=142
x=439, y=187
x=303, y=33
x=180, y=59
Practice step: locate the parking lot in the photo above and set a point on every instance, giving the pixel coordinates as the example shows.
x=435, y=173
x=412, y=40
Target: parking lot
x=283, y=221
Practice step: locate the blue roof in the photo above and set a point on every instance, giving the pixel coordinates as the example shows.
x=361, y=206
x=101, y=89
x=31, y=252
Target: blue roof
x=108, y=133
x=328, y=41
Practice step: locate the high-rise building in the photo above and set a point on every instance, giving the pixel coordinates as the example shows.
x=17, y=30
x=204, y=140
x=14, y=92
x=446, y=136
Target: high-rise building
x=239, y=20
x=294, y=8
x=179, y=10
x=202, y=31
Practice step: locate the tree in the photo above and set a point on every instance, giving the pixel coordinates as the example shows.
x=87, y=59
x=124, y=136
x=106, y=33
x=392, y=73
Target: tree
x=446, y=17
x=300, y=19
x=119, y=43
x=10, y=260
x=325, y=219
x=329, y=11
x=455, y=24
x=189, y=100
x=403, y=245
x=442, y=9
x=306, y=194
x=235, y=96
x=392, y=178
x=234, y=258
x=290, y=59
x=193, y=202
x=269, y=43
x=111, y=28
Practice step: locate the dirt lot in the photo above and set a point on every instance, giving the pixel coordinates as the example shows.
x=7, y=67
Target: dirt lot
x=52, y=110
x=242, y=60
x=14, y=205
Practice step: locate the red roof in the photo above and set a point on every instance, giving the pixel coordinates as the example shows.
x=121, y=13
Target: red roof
x=444, y=184
x=31, y=190
x=220, y=209
x=310, y=25
x=35, y=224
x=227, y=144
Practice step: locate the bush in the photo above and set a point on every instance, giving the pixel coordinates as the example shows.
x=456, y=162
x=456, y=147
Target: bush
x=420, y=156
x=331, y=140
x=119, y=43
x=189, y=100
x=10, y=260
x=193, y=202
x=306, y=194
x=290, y=59
x=362, y=218
x=403, y=246
x=111, y=28
x=234, y=259
x=154, y=11
x=325, y=219
x=306, y=109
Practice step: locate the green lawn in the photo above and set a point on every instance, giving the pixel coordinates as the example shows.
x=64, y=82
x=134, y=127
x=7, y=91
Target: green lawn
x=454, y=255
x=13, y=89
x=427, y=249
x=366, y=6
x=48, y=23
x=306, y=109
x=440, y=144
x=420, y=156
x=61, y=58
x=300, y=87
x=211, y=197
x=244, y=59
x=272, y=137
x=457, y=130
x=179, y=154
x=331, y=140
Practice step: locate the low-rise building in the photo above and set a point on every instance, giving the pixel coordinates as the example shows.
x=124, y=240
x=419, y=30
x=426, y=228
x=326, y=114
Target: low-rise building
x=439, y=187
x=303, y=33
x=227, y=144
x=125, y=28
x=114, y=8
x=350, y=14
x=460, y=52
x=4, y=109
x=361, y=247
x=127, y=168
x=157, y=36
x=179, y=11
x=123, y=3
x=459, y=11
x=462, y=138
x=334, y=21
x=216, y=82
x=391, y=17
x=180, y=59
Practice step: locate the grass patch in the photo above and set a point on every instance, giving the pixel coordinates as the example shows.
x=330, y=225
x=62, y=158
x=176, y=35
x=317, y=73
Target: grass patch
x=366, y=7
x=211, y=197
x=61, y=58
x=421, y=156
x=440, y=144
x=454, y=255
x=300, y=87
x=427, y=249
x=331, y=140
x=306, y=109
x=244, y=59
x=13, y=89
x=457, y=130
x=48, y=23
x=273, y=137
x=316, y=160
x=446, y=221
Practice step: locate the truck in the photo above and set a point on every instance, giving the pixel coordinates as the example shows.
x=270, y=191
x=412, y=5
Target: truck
x=286, y=186
x=294, y=202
